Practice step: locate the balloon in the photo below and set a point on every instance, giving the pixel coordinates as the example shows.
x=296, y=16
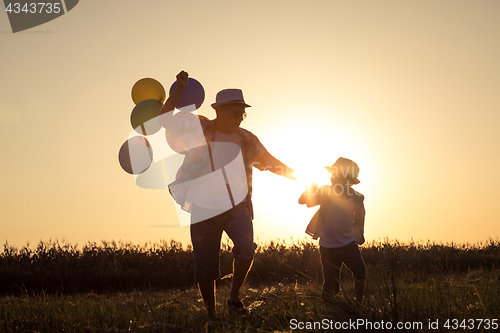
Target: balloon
x=147, y=88
x=193, y=94
x=143, y=117
x=136, y=155
x=177, y=143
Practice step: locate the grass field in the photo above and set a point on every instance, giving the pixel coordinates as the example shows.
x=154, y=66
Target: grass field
x=119, y=288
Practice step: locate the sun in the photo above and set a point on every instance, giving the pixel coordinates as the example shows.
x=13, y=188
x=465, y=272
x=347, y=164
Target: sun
x=309, y=145
x=309, y=148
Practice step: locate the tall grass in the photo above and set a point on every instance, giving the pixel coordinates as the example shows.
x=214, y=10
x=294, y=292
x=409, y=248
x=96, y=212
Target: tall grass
x=121, y=287
x=58, y=268
x=272, y=308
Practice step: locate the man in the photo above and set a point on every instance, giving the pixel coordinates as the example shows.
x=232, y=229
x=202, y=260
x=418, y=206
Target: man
x=216, y=208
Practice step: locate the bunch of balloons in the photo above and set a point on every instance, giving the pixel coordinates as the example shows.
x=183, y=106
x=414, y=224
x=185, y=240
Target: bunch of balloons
x=136, y=154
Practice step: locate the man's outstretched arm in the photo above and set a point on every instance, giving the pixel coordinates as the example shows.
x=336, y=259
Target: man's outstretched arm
x=263, y=161
x=270, y=163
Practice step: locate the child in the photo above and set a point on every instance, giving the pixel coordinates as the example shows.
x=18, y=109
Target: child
x=339, y=224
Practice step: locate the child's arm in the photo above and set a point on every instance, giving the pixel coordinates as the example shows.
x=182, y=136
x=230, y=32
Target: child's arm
x=311, y=196
x=359, y=219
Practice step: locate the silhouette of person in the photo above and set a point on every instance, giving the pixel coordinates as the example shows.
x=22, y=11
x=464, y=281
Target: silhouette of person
x=339, y=224
x=227, y=158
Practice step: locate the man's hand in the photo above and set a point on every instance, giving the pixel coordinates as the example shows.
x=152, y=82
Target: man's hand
x=182, y=83
x=182, y=80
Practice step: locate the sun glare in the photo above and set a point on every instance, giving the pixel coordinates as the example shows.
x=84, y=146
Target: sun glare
x=307, y=175
x=310, y=147
x=306, y=146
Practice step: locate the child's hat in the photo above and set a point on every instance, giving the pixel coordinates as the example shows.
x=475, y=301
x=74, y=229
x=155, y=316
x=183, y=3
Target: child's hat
x=345, y=168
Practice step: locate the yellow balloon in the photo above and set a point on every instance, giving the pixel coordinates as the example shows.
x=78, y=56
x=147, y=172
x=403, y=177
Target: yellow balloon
x=148, y=88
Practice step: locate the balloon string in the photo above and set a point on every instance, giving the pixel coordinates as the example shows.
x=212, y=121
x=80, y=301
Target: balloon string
x=164, y=174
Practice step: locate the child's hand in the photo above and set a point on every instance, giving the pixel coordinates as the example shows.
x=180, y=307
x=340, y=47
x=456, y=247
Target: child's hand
x=313, y=187
x=307, y=197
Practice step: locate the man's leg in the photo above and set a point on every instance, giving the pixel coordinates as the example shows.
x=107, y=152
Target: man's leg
x=205, y=237
x=207, y=291
x=240, y=270
x=240, y=230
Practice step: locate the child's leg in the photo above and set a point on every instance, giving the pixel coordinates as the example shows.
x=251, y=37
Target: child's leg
x=359, y=286
x=331, y=271
x=354, y=261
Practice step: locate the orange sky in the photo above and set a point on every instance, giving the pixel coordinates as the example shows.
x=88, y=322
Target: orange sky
x=407, y=89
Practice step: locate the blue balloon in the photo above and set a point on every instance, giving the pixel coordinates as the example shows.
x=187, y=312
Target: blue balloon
x=193, y=94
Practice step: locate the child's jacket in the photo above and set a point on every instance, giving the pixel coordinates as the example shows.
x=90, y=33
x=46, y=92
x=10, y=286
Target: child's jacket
x=323, y=197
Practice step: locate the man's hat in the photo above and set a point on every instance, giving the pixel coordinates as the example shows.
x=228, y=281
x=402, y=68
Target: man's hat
x=345, y=168
x=229, y=96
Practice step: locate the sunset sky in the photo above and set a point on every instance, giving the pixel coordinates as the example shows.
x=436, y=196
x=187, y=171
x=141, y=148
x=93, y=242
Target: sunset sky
x=407, y=89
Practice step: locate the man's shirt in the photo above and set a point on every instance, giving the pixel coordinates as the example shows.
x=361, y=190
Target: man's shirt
x=225, y=185
x=197, y=161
